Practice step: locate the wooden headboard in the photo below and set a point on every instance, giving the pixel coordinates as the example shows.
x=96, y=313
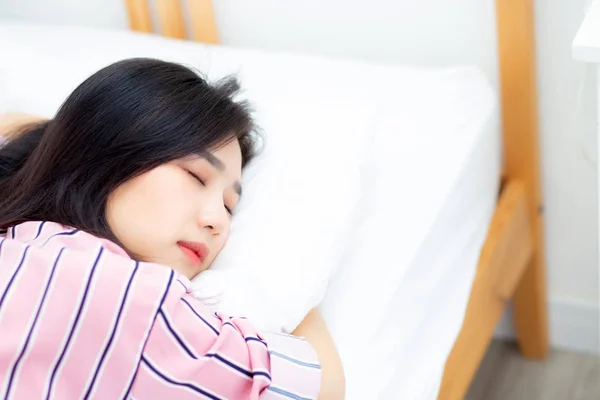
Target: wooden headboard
x=521, y=175
x=171, y=19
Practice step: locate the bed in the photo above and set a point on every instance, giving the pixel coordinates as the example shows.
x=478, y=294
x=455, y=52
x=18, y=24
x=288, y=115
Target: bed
x=511, y=262
x=478, y=242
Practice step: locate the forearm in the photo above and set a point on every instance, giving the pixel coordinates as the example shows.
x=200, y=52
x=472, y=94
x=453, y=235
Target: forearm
x=314, y=329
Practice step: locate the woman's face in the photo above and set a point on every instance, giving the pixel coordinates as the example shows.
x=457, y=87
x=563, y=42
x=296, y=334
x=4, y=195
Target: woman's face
x=178, y=214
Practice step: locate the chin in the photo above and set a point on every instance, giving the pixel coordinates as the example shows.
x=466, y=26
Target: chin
x=191, y=272
x=192, y=276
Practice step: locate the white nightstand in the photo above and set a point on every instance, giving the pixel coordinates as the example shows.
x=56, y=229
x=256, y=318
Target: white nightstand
x=586, y=48
x=586, y=45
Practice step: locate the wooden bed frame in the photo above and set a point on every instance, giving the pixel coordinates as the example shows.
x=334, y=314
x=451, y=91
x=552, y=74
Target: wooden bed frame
x=511, y=265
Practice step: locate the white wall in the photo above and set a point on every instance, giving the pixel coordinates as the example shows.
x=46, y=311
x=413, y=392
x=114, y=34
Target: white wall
x=98, y=13
x=440, y=32
x=567, y=98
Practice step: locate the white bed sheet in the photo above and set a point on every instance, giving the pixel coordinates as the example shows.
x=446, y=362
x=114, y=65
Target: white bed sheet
x=412, y=293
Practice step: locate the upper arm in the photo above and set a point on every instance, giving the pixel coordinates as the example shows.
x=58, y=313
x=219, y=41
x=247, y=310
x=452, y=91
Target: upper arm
x=295, y=367
x=314, y=329
x=191, y=349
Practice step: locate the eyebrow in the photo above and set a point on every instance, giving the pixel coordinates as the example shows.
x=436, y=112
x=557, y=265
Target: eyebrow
x=214, y=161
x=218, y=164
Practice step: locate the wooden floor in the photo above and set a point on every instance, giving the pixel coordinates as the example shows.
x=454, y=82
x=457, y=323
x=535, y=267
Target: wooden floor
x=505, y=375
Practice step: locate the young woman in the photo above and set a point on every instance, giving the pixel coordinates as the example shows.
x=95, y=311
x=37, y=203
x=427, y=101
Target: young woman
x=107, y=210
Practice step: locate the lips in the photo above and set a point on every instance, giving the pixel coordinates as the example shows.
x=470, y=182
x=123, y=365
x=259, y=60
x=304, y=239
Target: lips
x=195, y=251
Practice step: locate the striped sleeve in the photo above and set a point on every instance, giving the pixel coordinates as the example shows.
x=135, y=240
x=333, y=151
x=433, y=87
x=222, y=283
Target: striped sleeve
x=295, y=368
x=80, y=319
x=193, y=353
x=73, y=316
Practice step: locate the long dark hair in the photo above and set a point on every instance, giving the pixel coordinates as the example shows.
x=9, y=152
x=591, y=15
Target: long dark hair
x=124, y=120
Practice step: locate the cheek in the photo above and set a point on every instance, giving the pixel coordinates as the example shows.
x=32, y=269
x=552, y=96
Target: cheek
x=149, y=211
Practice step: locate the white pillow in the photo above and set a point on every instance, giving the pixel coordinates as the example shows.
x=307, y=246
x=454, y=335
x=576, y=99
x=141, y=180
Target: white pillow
x=300, y=196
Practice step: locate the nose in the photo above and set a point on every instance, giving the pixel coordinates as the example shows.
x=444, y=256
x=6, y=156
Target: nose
x=212, y=216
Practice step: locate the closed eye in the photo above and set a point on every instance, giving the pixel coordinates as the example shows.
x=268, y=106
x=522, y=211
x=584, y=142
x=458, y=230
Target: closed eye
x=196, y=177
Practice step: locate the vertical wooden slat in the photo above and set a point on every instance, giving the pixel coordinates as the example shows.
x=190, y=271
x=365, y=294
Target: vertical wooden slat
x=140, y=18
x=516, y=45
x=171, y=20
x=202, y=17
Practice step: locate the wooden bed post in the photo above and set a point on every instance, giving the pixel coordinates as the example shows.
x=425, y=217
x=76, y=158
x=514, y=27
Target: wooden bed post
x=516, y=46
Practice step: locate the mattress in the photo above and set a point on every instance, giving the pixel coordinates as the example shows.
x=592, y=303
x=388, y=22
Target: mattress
x=397, y=304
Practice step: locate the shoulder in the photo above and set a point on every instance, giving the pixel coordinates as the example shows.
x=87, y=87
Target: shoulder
x=40, y=254
x=46, y=243
x=52, y=235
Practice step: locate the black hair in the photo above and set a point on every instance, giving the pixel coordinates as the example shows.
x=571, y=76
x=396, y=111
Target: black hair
x=124, y=120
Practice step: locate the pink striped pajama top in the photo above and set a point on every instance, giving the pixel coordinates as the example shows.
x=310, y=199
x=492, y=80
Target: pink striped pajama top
x=80, y=319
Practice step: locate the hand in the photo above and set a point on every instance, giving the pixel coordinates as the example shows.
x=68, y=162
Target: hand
x=11, y=122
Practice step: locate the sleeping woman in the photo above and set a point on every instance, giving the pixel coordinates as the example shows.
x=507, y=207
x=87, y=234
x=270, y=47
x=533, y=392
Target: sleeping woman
x=107, y=211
